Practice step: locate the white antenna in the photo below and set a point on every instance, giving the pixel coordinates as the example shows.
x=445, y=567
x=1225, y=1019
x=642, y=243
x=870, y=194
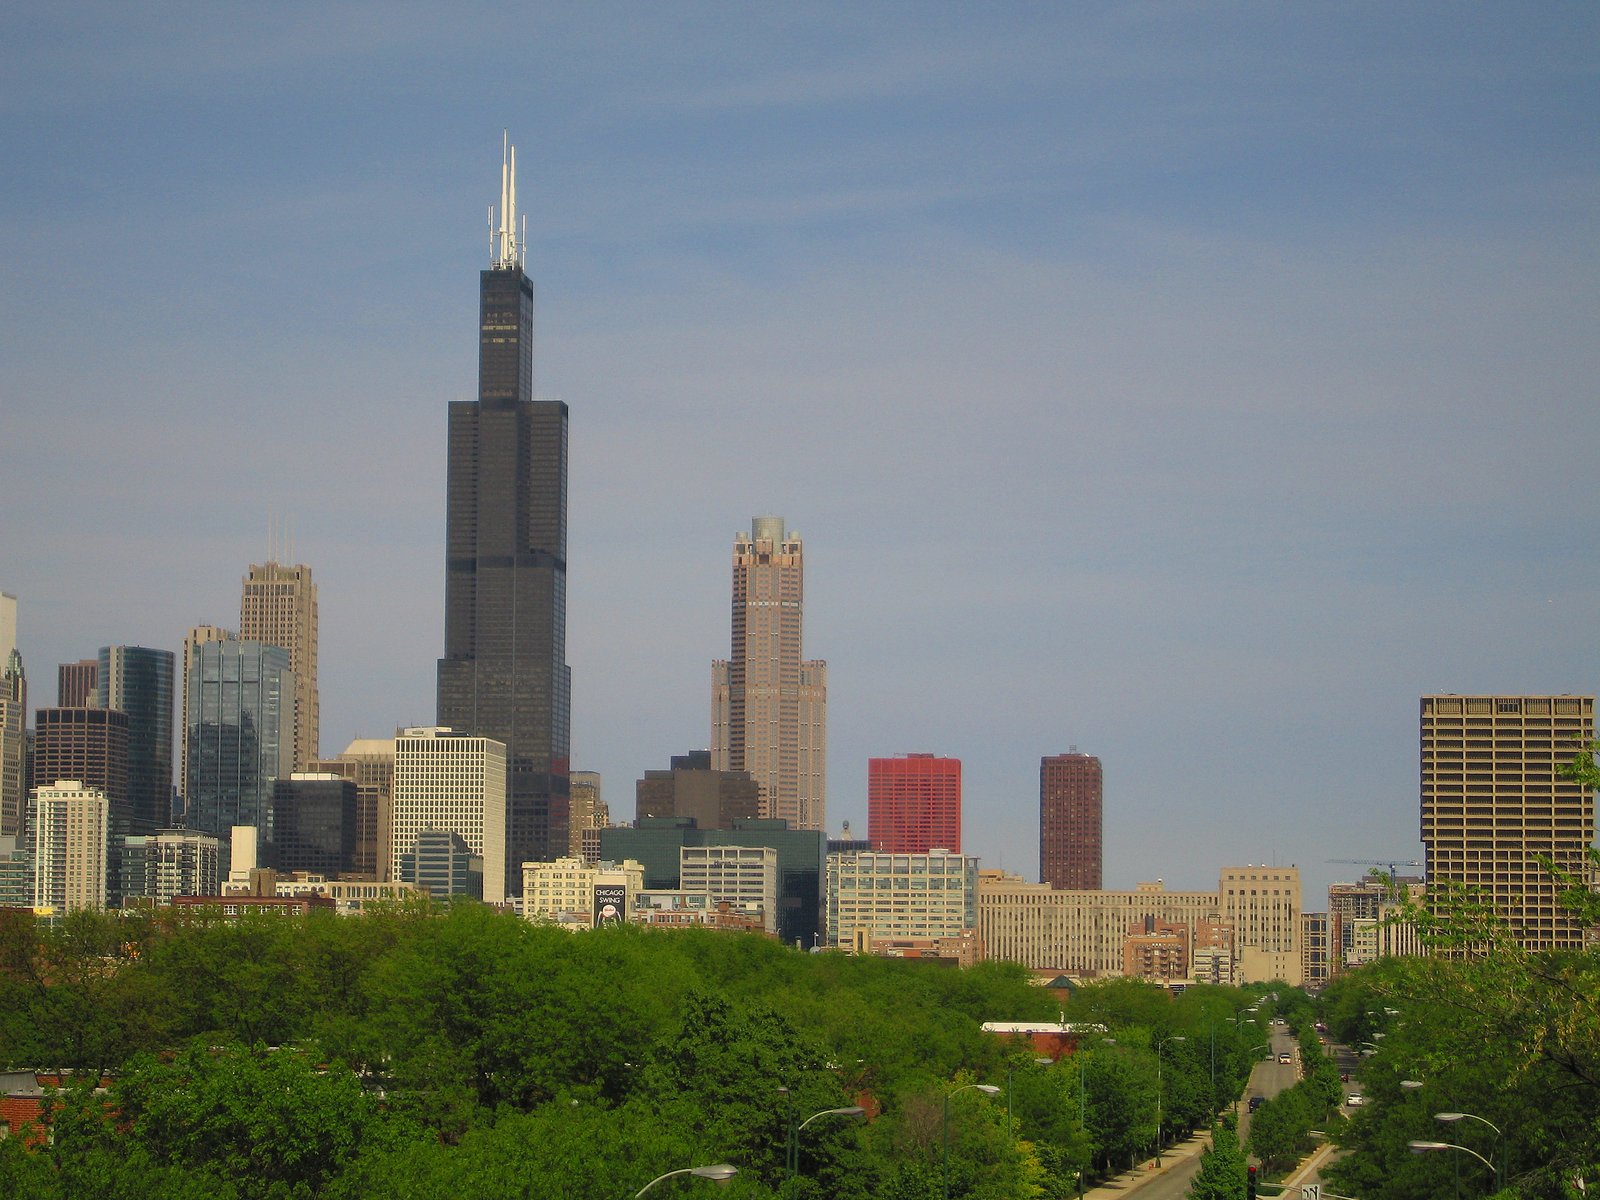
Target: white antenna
x=504, y=249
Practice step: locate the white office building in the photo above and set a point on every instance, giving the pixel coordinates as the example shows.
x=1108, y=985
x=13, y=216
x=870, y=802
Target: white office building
x=453, y=782
x=746, y=877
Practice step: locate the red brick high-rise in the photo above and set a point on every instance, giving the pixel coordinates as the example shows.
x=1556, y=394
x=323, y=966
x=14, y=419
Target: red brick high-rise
x=914, y=804
x=1069, y=821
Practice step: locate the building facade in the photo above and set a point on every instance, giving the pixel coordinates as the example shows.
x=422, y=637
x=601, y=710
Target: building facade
x=1494, y=800
x=768, y=703
x=198, y=635
x=139, y=682
x=77, y=683
x=1262, y=904
x=914, y=804
x=588, y=815
x=241, y=697
x=577, y=895
x=71, y=844
x=313, y=826
x=743, y=877
x=455, y=782
x=369, y=764
x=278, y=607
x=441, y=864
x=177, y=862
x=504, y=673
x=1070, y=841
x=691, y=788
x=13, y=745
x=873, y=896
x=89, y=745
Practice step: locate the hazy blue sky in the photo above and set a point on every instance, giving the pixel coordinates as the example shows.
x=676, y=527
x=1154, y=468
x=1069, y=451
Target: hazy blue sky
x=1196, y=385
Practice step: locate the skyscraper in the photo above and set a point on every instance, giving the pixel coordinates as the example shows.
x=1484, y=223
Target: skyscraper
x=1494, y=800
x=77, y=683
x=138, y=681
x=914, y=804
x=199, y=635
x=89, y=745
x=504, y=673
x=448, y=781
x=278, y=607
x=768, y=705
x=241, y=730
x=1070, y=843
x=71, y=839
x=13, y=744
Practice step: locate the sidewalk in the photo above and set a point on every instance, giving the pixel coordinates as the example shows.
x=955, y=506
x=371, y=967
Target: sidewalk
x=1131, y=1181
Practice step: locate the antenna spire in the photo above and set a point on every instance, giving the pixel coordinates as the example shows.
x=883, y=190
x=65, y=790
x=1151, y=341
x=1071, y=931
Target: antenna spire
x=505, y=248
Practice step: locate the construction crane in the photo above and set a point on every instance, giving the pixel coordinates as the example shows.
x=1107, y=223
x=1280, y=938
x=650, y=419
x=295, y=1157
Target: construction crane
x=1391, y=865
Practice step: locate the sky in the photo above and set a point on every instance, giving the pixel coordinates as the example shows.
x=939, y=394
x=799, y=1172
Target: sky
x=1194, y=385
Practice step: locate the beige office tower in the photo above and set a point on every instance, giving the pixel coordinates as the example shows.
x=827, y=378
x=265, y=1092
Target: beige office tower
x=1494, y=801
x=199, y=635
x=768, y=705
x=452, y=782
x=279, y=607
x=587, y=811
x=70, y=827
x=369, y=764
x=1263, y=907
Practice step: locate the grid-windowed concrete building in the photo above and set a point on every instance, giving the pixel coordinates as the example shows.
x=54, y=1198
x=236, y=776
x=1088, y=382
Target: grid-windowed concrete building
x=933, y=895
x=445, y=780
x=746, y=877
x=278, y=607
x=71, y=844
x=579, y=895
x=1494, y=800
x=691, y=788
x=77, y=683
x=768, y=704
x=89, y=745
x=172, y=863
x=369, y=764
x=1070, y=842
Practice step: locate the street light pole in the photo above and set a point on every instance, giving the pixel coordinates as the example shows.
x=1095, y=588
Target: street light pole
x=850, y=1110
x=1450, y=1118
x=988, y=1089
x=1424, y=1147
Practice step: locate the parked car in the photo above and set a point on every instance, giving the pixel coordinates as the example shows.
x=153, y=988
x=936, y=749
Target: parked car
x=1355, y=1100
x=1256, y=1102
x=1286, y=1057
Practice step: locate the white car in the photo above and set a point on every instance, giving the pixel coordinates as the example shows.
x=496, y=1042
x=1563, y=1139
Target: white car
x=1354, y=1100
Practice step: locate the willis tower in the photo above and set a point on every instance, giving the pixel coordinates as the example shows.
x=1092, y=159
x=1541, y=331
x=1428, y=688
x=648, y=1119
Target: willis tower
x=504, y=673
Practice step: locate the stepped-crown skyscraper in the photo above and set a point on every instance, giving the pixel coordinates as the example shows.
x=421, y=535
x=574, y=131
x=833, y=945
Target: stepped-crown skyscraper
x=768, y=705
x=504, y=673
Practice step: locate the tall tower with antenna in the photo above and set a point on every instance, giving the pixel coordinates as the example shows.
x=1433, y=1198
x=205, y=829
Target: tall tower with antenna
x=504, y=673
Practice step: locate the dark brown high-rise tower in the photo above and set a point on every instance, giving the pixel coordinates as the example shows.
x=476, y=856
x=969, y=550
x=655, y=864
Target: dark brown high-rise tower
x=504, y=673
x=1069, y=821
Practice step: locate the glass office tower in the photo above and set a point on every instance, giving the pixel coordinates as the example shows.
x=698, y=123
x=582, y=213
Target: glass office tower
x=241, y=734
x=138, y=681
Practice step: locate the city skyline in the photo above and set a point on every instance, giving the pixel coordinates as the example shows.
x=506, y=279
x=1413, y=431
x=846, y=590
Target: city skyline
x=1188, y=387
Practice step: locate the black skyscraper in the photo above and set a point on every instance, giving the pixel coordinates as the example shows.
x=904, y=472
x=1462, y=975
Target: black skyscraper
x=504, y=672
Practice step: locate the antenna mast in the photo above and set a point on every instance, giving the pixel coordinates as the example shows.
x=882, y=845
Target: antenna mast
x=505, y=250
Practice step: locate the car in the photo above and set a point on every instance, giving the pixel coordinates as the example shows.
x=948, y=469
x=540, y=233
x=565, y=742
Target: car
x=1256, y=1102
x=1354, y=1100
x=1286, y=1057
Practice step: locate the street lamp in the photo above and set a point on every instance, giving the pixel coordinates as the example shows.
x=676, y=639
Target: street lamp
x=721, y=1172
x=1424, y=1147
x=1038, y=1062
x=1450, y=1118
x=988, y=1089
x=1410, y=1085
x=849, y=1110
x=1178, y=1037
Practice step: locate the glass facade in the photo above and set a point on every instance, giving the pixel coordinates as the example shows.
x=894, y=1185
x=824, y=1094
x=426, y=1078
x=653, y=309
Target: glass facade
x=313, y=826
x=138, y=681
x=241, y=734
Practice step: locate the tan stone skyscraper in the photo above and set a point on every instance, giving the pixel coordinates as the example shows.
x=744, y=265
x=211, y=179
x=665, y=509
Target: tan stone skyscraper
x=1494, y=800
x=279, y=608
x=768, y=705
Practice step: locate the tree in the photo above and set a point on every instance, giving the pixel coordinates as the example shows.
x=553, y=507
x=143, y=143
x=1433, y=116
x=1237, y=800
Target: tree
x=1222, y=1166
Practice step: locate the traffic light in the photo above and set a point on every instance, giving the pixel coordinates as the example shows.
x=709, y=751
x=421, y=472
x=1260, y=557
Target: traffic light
x=1250, y=1183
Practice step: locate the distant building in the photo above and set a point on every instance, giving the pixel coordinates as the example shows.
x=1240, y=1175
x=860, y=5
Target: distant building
x=571, y=893
x=768, y=704
x=914, y=803
x=313, y=826
x=679, y=909
x=77, y=683
x=199, y=635
x=1262, y=904
x=13, y=745
x=442, y=864
x=455, y=782
x=657, y=842
x=931, y=895
x=89, y=745
x=1070, y=840
x=1494, y=800
x=369, y=764
x=241, y=728
x=1157, y=951
x=278, y=607
x=588, y=813
x=71, y=841
x=745, y=877
x=16, y=872
x=172, y=863
x=139, y=682
x=690, y=788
